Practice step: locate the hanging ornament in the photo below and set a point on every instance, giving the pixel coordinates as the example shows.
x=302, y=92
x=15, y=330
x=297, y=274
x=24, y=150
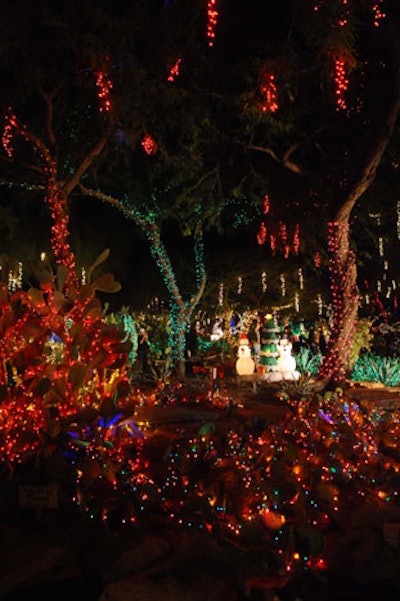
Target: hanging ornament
x=380, y=246
x=240, y=285
x=272, y=242
x=149, y=145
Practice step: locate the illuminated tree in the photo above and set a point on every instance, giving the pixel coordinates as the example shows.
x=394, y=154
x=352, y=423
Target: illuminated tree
x=302, y=115
x=336, y=111
x=156, y=170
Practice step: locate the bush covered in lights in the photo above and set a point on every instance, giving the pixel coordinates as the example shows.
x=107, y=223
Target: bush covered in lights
x=58, y=359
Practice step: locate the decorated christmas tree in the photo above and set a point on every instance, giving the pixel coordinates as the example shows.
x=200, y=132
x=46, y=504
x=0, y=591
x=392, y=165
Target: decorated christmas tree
x=269, y=343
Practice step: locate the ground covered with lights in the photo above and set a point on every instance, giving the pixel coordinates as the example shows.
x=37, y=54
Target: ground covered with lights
x=211, y=490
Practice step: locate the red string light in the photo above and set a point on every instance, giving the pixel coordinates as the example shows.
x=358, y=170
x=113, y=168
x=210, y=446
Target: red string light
x=262, y=234
x=343, y=20
x=104, y=86
x=341, y=82
x=174, y=70
x=149, y=145
x=296, y=239
x=54, y=197
x=9, y=125
x=344, y=294
x=377, y=12
x=317, y=260
x=212, y=20
x=266, y=205
x=268, y=93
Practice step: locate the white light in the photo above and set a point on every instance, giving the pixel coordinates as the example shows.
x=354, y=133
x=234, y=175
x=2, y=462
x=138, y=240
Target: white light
x=283, y=284
x=264, y=281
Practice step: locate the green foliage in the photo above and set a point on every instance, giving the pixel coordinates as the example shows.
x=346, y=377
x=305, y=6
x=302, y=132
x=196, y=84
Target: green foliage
x=374, y=368
x=307, y=362
x=362, y=340
x=297, y=389
x=217, y=348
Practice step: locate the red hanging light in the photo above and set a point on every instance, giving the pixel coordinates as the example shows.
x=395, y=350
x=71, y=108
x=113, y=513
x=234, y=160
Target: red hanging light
x=377, y=13
x=317, y=259
x=268, y=91
x=104, y=86
x=266, y=205
x=149, y=145
x=174, y=70
x=296, y=239
x=212, y=20
x=341, y=80
x=262, y=234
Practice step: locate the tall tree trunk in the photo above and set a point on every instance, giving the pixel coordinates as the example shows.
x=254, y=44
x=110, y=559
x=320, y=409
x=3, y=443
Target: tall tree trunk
x=345, y=296
x=180, y=310
x=342, y=261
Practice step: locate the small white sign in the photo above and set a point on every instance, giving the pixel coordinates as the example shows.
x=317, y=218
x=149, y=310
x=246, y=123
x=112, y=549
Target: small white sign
x=38, y=496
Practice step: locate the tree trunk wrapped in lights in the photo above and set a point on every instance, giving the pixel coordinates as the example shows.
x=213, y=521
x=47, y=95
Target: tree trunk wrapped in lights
x=344, y=290
x=180, y=310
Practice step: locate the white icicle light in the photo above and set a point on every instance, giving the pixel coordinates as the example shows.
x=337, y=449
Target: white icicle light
x=264, y=281
x=221, y=294
x=283, y=284
x=319, y=303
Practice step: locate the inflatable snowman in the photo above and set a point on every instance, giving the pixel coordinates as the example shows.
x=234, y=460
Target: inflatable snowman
x=286, y=361
x=245, y=365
